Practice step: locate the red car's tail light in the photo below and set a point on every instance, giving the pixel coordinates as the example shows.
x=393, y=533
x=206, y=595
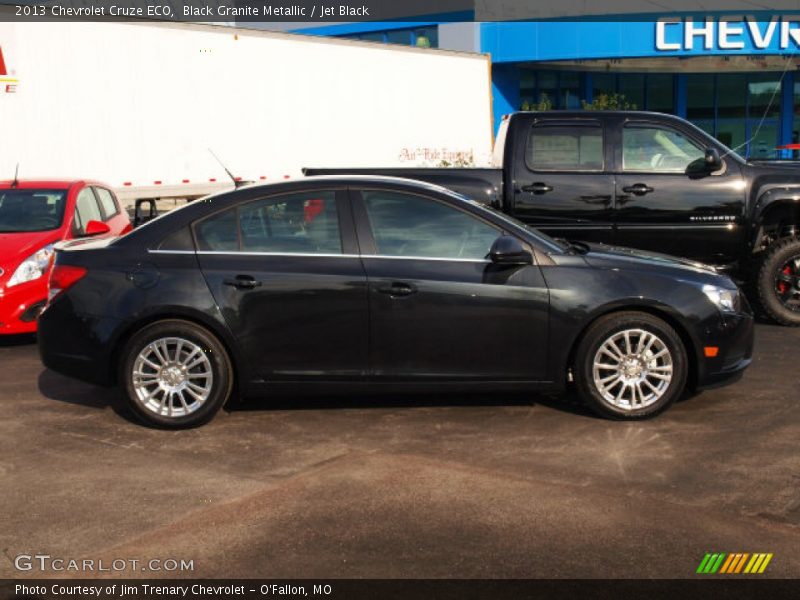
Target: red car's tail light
x=63, y=277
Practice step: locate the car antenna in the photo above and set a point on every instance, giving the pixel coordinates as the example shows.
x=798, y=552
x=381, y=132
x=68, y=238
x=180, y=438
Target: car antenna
x=15, y=183
x=237, y=182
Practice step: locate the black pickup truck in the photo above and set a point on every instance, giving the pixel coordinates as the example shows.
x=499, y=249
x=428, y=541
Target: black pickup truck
x=645, y=180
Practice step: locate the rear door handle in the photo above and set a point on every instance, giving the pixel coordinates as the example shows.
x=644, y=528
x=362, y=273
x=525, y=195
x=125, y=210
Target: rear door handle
x=242, y=282
x=397, y=289
x=638, y=189
x=537, y=188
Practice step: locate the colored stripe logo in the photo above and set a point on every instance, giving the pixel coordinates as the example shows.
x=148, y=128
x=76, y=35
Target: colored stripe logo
x=734, y=563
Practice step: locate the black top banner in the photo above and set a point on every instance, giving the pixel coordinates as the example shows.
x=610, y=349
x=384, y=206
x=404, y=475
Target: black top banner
x=338, y=11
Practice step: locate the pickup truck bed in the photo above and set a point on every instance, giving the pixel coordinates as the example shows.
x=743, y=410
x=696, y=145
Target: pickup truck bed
x=483, y=185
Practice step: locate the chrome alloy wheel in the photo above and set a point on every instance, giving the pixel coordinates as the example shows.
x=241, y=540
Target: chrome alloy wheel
x=632, y=369
x=172, y=377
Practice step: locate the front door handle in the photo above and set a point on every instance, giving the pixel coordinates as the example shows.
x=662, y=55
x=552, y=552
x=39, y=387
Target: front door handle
x=638, y=189
x=397, y=289
x=537, y=188
x=242, y=282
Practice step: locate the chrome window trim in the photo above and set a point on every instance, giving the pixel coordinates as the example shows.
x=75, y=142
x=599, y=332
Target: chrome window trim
x=319, y=255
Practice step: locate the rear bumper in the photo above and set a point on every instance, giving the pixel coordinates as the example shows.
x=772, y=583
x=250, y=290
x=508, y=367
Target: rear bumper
x=20, y=306
x=77, y=345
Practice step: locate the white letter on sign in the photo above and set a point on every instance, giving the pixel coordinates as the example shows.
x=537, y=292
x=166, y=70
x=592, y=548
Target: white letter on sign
x=661, y=35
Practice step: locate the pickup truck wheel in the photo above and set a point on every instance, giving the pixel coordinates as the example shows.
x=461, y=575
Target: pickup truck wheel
x=630, y=366
x=175, y=374
x=779, y=282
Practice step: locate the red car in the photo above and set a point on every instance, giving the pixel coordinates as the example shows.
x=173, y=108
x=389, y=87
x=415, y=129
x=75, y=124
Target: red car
x=35, y=215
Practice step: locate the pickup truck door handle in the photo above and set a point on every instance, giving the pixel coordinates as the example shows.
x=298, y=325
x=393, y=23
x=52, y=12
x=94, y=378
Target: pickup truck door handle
x=242, y=282
x=596, y=199
x=639, y=189
x=397, y=289
x=537, y=188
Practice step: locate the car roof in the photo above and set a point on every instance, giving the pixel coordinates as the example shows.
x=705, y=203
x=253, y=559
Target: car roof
x=49, y=184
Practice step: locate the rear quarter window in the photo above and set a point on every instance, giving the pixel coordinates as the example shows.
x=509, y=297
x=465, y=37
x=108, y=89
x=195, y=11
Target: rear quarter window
x=107, y=203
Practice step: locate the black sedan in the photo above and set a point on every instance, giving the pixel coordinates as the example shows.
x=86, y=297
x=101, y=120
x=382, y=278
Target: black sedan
x=346, y=283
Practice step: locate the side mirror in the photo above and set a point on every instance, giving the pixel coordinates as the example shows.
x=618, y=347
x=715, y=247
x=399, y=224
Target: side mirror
x=701, y=167
x=508, y=250
x=713, y=159
x=96, y=228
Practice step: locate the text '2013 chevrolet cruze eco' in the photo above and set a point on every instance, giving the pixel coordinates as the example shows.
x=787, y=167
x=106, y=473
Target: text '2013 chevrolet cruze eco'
x=349, y=283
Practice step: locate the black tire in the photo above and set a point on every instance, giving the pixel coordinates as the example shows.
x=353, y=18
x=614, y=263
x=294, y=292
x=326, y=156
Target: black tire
x=208, y=350
x=775, y=259
x=606, y=328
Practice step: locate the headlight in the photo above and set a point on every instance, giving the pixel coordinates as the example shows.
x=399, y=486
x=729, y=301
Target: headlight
x=723, y=298
x=32, y=267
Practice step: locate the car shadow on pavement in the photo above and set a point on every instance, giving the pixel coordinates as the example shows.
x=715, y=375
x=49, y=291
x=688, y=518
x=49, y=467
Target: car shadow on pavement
x=57, y=387
x=567, y=403
x=22, y=339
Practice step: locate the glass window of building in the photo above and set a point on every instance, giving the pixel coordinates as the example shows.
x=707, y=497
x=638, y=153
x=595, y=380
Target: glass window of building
x=569, y=95
x=527, y=88
x=795, y=139
x=548, y=85
x=603, y=83
x=700, y=100
x=763, y=98
x=400, y=36
x=731, y=108
x=659, y=92
x=631, y=85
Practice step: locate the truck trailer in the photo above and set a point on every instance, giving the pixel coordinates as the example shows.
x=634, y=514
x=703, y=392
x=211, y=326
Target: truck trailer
x=156, y=109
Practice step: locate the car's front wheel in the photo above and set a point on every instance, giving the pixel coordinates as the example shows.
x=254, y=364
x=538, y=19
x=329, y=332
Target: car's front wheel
x=630, y=365
x=175, y=374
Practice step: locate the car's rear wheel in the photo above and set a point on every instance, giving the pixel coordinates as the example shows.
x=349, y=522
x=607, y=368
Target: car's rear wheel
x=779, y=282
x=630, y=365
x=175, y=374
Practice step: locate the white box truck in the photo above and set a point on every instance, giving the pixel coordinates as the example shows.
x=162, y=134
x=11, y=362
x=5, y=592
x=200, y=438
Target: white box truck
x=142, y=105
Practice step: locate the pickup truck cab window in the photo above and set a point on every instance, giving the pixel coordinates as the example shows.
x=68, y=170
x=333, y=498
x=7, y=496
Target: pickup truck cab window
x=300, y=223
x=656, y=149
x=553, y=147
x=413, y=226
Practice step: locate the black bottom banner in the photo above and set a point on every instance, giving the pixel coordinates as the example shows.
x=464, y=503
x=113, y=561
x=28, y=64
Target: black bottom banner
x=390, y=589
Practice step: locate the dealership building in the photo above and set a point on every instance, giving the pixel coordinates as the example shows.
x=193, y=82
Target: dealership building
x=733, y=76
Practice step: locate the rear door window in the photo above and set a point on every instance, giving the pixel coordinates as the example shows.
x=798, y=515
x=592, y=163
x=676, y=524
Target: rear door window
x=300, y=223
x=555, y=147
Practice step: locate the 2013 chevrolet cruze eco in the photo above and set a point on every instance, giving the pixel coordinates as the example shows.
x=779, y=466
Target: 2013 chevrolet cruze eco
x=350, y=282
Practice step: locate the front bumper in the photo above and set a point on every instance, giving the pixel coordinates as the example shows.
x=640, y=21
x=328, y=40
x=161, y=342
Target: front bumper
x=733, y=336
x=20, y=306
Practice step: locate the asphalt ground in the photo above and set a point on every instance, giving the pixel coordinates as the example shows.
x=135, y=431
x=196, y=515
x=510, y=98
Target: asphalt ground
x=403, y=486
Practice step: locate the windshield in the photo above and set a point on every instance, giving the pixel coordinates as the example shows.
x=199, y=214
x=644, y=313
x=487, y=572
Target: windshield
x=24, y=210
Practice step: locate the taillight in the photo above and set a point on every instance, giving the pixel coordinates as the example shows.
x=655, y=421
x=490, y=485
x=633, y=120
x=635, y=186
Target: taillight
x=63, y=277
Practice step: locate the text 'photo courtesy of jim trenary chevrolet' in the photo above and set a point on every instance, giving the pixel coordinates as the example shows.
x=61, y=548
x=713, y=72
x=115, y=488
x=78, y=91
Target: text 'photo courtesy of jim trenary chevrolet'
x=437, y=299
